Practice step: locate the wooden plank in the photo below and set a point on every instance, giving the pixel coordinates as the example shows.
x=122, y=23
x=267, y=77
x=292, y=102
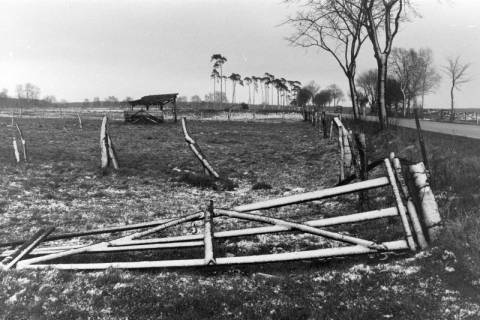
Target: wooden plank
x=301, y=227
x=27, y=247
x=278, y=257
x=314, y=195
x=400, y=206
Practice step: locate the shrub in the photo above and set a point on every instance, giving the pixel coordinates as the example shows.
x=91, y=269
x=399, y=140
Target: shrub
x=201, y=181
x=261, y=185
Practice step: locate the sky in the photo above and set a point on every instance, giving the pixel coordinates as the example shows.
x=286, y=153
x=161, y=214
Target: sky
x=81, y=49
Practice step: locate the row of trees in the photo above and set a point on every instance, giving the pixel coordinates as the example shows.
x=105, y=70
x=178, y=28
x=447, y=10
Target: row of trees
x=321, y=98
x=341, y=27
x=286, y=90
x=30, y=93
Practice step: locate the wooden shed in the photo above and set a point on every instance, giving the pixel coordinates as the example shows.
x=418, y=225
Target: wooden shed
x=150, y=109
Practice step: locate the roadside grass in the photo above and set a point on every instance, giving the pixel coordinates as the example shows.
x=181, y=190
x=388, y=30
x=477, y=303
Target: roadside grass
x=63, y=186
x=455, y=177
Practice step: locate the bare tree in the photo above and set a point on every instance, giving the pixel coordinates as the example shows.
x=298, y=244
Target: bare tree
x=429, y=76
x=20, y=91
x=383, y=19
x=457, y=73
x=367, y=81
x=336, y=26
x=402, y=67
x=31, y=91
x=4, y=93
x=236, y=79
x=415, y=73
x=196, y=98
x=214, y=76
x=322, y=98
x=50, y=99
x=336, y=93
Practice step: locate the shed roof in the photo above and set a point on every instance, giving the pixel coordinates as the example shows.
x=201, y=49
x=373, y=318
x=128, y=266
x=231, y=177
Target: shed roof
x=154, y=100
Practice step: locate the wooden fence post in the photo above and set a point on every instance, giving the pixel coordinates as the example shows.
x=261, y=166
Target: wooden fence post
x=79, y=121
x=331, y=129
x=24, y=143
x=361, y=146
x=198, y=152
x=175, y=110
x=430, y=213
x=15, y=150
x=108, y=155
x=421, y=141
x=208, y=235
x=342, y=154
x=324, y=125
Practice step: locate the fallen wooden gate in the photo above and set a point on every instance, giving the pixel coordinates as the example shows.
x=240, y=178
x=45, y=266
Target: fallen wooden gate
x=42, y=257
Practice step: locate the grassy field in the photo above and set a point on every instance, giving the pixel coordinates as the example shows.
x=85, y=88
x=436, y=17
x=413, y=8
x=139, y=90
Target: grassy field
x=63, y=186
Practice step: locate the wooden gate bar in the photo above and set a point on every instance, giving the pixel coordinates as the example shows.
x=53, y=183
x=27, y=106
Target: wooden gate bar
x=141, y=225
x=169, y=245
x=400, y=206
x=57, y=255
x=302, y=227
x=278, y=257
x=352, y=218
x=314, y=195
x=163, y=226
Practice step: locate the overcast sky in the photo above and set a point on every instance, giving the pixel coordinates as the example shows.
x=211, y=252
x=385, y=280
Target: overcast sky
x=82, y=49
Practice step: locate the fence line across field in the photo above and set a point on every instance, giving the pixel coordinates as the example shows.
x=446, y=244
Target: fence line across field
x=415, y=224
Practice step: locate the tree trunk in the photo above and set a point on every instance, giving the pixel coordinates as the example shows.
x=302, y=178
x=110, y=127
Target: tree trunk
x=382, y=77
x=214, y=88
x=404, y=103
x=452, y=104
x=353, y=96
x=221, y=86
